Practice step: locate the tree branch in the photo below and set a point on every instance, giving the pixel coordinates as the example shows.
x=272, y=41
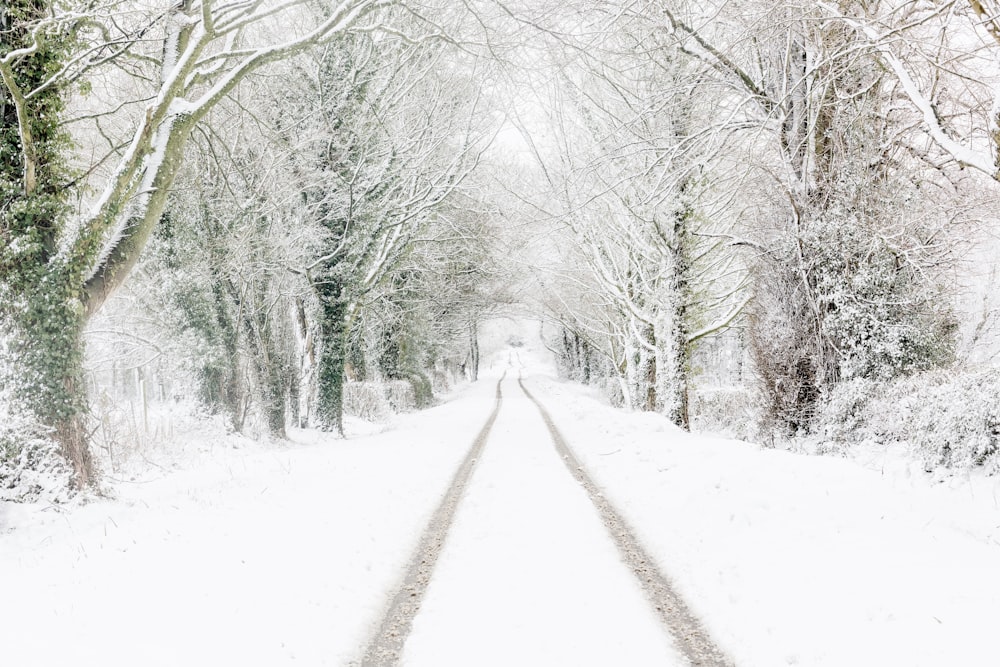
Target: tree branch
x=981, y=161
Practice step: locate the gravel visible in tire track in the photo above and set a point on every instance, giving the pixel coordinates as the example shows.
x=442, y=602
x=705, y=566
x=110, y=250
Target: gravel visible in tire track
x=691, y=638
x=387, y=644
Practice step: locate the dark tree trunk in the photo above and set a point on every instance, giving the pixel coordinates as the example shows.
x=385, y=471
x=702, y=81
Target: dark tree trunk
x=333, y=331
x=274, y=392
x=48, y=349
x=681, y=288
x=647, y=373
x=275, y=375
x=222, y=385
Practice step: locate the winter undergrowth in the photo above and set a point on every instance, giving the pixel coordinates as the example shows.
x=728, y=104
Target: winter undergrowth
x=948, y=420
x=729, y=411
x=31, y=467
x=377, y=401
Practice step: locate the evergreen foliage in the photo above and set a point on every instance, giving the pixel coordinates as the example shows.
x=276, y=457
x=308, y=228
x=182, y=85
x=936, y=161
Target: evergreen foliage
x=40, y=289
x=849, y=288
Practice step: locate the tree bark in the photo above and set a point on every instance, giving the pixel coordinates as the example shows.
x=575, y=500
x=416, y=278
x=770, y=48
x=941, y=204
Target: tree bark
x=474, y=351
x=680, y=288
x=647, y=371
x=48, y=348
x=333, y=330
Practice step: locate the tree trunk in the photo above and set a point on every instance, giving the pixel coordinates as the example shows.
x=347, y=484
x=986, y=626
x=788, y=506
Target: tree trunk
x=680, y=349
x=276, y=380
x=306, y=368
x=647, y=370
x=74, y=443
x=582, y=358
x=274, y=391
x=673, y=366
x=47, y=373
x=270, y=369
x=474, y=351
x=333, y=329
x=633, y=397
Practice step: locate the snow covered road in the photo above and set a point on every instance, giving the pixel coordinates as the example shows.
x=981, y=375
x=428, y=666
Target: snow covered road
x=800, y=560
x=258, y=557
x=528, y=575
x=274, y=556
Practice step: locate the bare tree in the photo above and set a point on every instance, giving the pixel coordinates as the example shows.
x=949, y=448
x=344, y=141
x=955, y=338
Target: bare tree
x=635, y=152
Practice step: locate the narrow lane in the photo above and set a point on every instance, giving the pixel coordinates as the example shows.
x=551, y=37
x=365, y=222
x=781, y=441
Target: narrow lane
x=692, y=639
x=384, y=648
x=528, y=575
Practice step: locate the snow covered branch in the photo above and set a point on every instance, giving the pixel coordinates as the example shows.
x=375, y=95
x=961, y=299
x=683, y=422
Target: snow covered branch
x=984, y=161
x=125, y=214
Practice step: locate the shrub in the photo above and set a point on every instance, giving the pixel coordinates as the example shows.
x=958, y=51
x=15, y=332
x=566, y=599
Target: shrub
x=728, y=410
x=375, y=401
x=950, y=420
x=366, y=400
x=400, y=395
x=31, y=467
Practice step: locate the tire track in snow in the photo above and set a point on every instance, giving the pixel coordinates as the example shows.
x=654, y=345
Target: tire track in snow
x=691, y=638
x=387, y=644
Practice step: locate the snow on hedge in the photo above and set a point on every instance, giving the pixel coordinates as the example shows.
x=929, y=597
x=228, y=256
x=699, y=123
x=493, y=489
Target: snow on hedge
x=948, y=420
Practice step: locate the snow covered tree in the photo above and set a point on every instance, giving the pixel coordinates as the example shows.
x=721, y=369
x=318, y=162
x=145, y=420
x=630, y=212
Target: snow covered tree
x=38, y=308
x=844, y=280
x=939, y=62
x=384, y=133
x=179, y=60
x=41, y=311
x=632, y=176
x=219, y=264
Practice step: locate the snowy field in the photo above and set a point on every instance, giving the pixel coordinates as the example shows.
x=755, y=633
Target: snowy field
x=287, y=555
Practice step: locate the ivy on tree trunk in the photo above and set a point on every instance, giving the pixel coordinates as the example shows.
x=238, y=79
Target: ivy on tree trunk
x=333, y=327
x=40, y=290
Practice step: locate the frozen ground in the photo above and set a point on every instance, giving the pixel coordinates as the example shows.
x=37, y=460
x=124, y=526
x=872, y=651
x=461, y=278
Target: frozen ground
x=281, y=556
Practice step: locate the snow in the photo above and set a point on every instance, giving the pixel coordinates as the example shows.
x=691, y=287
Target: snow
x=798, y=560
x=527, y=560
x=256, y=557
x=280, y=555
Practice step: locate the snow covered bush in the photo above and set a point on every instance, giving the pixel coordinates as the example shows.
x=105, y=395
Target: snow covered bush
x=879, y=309
x=845, y=306
x=400, y=395
x=953, y=421
x=729, y=410
x=366, y=400
x=845, y=415
x=949, y=420
x=375, y=401
x=31, y=467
